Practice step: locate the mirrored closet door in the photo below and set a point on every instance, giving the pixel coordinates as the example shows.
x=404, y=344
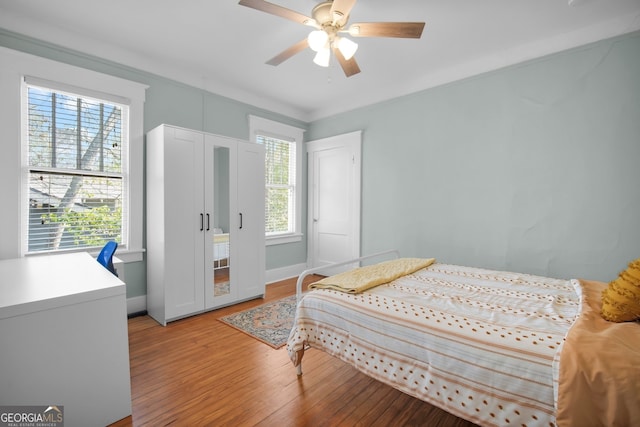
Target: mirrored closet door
x=220, y=187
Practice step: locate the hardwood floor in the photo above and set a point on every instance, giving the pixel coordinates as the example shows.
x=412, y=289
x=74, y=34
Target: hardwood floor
x=201, y=372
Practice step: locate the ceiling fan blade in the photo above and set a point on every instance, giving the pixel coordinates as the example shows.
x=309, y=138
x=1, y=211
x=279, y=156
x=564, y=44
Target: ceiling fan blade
x=342, y=8
x=409, y=30
x=288, y=53
x=280, y=11
x=349, y=66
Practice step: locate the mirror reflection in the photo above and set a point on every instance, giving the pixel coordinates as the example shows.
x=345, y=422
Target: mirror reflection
x=221, y=240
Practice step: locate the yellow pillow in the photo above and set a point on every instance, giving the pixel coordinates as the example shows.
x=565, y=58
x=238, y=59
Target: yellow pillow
x=621, y=299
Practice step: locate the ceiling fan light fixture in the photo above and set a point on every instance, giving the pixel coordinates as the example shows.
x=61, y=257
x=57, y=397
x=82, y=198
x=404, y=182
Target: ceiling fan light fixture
x=322, y=57
x=347, y=47
x=329, y=18
x=317, y=40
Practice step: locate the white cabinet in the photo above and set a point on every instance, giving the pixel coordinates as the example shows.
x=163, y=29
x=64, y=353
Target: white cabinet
x=63, y=335
x=205, y=222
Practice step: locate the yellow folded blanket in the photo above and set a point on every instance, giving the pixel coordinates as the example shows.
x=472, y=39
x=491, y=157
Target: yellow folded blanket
x=221, y=238
x=363, y=278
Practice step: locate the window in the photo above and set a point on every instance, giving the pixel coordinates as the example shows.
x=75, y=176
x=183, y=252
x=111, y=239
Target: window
x=20, y=71
x=283, y=154
x=280, y=181
x=77, y=183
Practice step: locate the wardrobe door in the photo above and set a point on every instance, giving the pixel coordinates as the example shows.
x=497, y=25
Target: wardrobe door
x=184, y=223
x=174, y=190
x=220, y=241
x=250, y=220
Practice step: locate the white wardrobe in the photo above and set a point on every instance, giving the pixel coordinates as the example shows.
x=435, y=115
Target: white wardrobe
x=205, y=222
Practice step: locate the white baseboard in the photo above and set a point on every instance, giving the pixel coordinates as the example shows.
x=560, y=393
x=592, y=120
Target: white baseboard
x=139, y=304
x=277, y=274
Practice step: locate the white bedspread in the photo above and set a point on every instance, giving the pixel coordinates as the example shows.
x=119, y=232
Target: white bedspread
x=478, y=343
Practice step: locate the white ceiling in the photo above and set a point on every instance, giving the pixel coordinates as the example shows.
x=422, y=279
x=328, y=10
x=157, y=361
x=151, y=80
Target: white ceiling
x=222, y=47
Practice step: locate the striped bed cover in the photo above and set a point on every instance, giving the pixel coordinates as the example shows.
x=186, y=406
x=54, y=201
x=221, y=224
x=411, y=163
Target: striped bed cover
x=481, y=344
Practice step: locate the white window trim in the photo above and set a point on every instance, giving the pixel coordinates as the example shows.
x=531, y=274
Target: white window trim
x=17, y=65
x=262, y=126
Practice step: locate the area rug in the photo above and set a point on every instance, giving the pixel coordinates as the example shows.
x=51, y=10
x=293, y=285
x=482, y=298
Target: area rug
x=269, y=323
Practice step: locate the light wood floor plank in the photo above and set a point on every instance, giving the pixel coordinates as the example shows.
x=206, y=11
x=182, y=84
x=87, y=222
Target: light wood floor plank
x=200, y=372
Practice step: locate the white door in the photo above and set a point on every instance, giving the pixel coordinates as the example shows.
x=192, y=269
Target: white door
x=334, y=199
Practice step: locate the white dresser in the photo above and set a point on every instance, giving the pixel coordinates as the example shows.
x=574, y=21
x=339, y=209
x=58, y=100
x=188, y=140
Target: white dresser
x=64, y=339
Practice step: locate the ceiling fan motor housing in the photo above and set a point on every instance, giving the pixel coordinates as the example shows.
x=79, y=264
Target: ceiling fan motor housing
x=330, y=22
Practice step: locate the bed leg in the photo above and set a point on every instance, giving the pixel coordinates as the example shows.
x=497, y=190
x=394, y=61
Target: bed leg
x=299, y=355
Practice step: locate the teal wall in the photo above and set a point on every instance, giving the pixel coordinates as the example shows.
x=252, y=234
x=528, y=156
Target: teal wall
x=177, y=104
x=532, y=168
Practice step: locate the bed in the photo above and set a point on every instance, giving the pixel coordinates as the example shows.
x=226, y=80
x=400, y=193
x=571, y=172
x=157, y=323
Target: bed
x=220, y=249
x=495, y=348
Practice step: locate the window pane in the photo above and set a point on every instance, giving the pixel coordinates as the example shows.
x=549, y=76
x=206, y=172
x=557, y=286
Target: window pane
x=277, y=210
x=40, y=126
x=277, y=161
x=73, y=211
x=65, y=131
x=112, y=154
x=73, y=133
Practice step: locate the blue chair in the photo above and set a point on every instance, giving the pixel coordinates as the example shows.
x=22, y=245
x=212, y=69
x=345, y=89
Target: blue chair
x=105, y=257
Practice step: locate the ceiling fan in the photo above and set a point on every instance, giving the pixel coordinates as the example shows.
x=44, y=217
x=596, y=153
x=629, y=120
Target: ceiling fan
x=329, y=19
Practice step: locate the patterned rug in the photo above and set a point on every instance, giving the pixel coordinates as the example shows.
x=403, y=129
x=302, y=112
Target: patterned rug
x=269, y=323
